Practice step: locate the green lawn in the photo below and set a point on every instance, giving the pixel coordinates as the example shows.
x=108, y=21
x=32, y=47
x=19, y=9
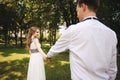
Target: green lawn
x=14, y=64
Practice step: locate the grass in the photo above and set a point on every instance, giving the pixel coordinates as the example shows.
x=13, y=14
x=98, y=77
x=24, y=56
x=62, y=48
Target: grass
x=14, y=64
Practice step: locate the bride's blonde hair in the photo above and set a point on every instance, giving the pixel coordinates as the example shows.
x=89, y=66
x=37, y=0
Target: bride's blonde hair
x=31, y=31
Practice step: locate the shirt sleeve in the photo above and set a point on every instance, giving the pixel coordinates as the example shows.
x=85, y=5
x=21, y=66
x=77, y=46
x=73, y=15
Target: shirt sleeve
x=62, y=44
x=113, y=65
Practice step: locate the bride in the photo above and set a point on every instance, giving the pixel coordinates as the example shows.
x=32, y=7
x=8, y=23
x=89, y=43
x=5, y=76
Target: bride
x=36, y=70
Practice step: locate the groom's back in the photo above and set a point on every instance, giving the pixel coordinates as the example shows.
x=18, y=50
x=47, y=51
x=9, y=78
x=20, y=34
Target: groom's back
x=91, y=50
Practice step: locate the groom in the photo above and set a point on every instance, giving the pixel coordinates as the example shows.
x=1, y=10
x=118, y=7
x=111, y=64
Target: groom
x=92, y=45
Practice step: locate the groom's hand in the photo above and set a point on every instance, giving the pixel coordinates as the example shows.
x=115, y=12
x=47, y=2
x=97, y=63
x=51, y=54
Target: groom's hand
x=48, y=59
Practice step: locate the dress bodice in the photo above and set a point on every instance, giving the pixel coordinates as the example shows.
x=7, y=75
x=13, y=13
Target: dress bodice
x=32, y=45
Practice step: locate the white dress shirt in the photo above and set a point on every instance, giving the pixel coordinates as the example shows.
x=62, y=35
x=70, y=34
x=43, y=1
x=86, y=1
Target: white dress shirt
x=92, y=47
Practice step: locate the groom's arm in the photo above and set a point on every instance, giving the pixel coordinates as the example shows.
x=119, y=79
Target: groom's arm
x=62, y=44
x=112, y=72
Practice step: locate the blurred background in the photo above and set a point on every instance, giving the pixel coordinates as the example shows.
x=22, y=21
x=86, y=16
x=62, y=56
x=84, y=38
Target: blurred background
x=52, y=17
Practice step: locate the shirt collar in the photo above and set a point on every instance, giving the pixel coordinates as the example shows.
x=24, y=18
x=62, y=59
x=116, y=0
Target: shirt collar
x=89, y=18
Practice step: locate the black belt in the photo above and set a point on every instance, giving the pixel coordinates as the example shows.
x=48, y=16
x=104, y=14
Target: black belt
x=34, y=50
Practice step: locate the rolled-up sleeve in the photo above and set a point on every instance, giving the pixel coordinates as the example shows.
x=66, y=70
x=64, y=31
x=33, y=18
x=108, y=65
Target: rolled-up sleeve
x=62, y=44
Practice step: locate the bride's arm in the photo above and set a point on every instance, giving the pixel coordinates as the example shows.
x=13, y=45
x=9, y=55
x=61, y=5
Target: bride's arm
x=36, y=41
x=29, y=51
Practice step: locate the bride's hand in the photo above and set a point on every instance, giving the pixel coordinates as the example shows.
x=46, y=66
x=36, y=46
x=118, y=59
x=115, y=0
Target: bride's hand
x=45, y=57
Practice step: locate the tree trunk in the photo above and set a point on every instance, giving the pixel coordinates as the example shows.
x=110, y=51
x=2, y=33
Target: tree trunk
x=6, y=37
x=15, y=36
x=21, y=42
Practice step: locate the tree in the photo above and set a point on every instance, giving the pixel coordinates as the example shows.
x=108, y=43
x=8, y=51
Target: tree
x=48, y=15
x=109, y=13
x=7, y=16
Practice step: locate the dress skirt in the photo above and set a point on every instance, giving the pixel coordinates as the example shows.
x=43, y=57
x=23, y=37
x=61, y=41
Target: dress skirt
x=36, y=70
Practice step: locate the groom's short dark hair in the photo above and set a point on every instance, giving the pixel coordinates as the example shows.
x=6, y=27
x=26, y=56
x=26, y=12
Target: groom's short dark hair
x=92, y=4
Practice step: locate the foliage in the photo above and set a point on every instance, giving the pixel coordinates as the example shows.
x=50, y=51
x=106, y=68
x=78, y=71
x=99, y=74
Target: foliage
x=16, y=16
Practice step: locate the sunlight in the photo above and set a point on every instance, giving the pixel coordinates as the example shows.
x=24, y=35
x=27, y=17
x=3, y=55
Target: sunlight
x=47, y=44
x=64, y=62
x=12, y=73
x=8, y=67
x=4, y=77
x=16, y=73
x=13, y=56
x=52, y=66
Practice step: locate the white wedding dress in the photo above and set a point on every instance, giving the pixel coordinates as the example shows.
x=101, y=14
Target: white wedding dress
x=36, y=69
